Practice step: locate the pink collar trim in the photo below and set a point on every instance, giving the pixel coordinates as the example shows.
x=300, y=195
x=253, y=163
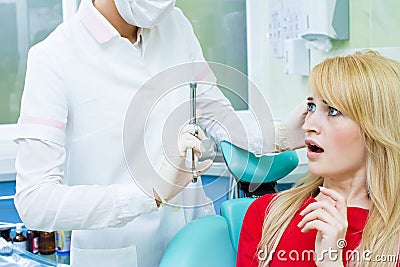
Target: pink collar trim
x=95, y=23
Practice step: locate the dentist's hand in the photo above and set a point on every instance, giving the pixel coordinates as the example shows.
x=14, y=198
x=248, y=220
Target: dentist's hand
x=289, y=134
x=174, y=176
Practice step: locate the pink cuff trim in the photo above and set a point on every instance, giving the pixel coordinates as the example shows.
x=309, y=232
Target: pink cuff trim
x=42, y=121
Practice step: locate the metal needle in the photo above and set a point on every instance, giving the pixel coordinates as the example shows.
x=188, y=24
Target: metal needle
x=193, y=120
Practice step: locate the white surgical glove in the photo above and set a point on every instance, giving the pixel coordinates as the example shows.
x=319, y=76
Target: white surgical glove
x=174, y=175
x=289, y=134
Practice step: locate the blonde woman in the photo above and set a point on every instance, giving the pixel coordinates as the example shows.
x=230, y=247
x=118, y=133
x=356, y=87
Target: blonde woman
x=346, y=212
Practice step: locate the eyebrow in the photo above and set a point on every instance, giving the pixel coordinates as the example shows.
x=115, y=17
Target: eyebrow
x=312, y=99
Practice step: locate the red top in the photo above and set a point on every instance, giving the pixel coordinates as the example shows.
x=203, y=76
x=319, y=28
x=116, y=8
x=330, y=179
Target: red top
x=295, y=248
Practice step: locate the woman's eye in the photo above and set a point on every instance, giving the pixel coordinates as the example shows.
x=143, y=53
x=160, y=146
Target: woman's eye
x=311, y=107
x=333, y=111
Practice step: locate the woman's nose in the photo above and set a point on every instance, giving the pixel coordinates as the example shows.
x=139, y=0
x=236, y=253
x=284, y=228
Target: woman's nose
x=312, y=123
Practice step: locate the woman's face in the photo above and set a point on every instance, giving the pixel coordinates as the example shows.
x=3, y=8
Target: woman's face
x=335, y=143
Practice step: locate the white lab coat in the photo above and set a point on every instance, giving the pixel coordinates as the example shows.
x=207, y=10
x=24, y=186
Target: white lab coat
x=71, y=171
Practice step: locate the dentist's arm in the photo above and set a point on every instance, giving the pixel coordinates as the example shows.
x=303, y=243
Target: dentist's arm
x=44, y=202
x=221, y=122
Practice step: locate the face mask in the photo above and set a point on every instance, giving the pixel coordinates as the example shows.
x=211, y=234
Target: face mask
x=144, y=13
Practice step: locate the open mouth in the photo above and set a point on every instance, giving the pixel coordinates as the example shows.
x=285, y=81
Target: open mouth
x=313, y=147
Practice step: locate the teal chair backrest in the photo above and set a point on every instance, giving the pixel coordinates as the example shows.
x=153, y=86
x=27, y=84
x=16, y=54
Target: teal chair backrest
x=209, y=241
x=247, y=167
x=204, y=242
x=233, y=211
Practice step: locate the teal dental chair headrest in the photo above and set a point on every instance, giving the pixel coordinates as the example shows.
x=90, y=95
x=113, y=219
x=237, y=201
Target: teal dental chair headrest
x=247, y=167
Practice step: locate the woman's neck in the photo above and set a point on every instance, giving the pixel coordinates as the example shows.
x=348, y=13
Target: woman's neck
x=108, y=9
x=353, y=189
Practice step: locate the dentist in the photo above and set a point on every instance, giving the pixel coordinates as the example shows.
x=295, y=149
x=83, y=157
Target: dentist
x=71, y=171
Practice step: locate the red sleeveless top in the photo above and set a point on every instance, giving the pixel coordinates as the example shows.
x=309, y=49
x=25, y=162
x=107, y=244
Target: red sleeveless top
x=295, y=248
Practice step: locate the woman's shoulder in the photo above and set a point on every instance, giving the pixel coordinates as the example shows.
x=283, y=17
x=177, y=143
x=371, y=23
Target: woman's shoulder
x=260, y=205
x=265, y=199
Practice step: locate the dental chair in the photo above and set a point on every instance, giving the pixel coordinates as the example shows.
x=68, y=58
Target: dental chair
x=209, y=241
x=257, y=176
x=204, y=242
x=213, y=240
x=233, y=210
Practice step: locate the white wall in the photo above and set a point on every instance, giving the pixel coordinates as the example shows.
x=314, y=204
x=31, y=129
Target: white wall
x=369, y=24
x=283, y=92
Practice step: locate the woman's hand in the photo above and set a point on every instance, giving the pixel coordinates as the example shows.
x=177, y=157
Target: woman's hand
x=329, y=218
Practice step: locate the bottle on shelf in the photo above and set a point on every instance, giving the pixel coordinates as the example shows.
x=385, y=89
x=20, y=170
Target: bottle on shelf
x=6, y=248
x=63, y=243
x=47, y=244
x=32, y=244
x=5, y=233
x=19, y=239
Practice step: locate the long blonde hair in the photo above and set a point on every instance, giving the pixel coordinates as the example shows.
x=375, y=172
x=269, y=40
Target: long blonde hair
x=365, y=87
